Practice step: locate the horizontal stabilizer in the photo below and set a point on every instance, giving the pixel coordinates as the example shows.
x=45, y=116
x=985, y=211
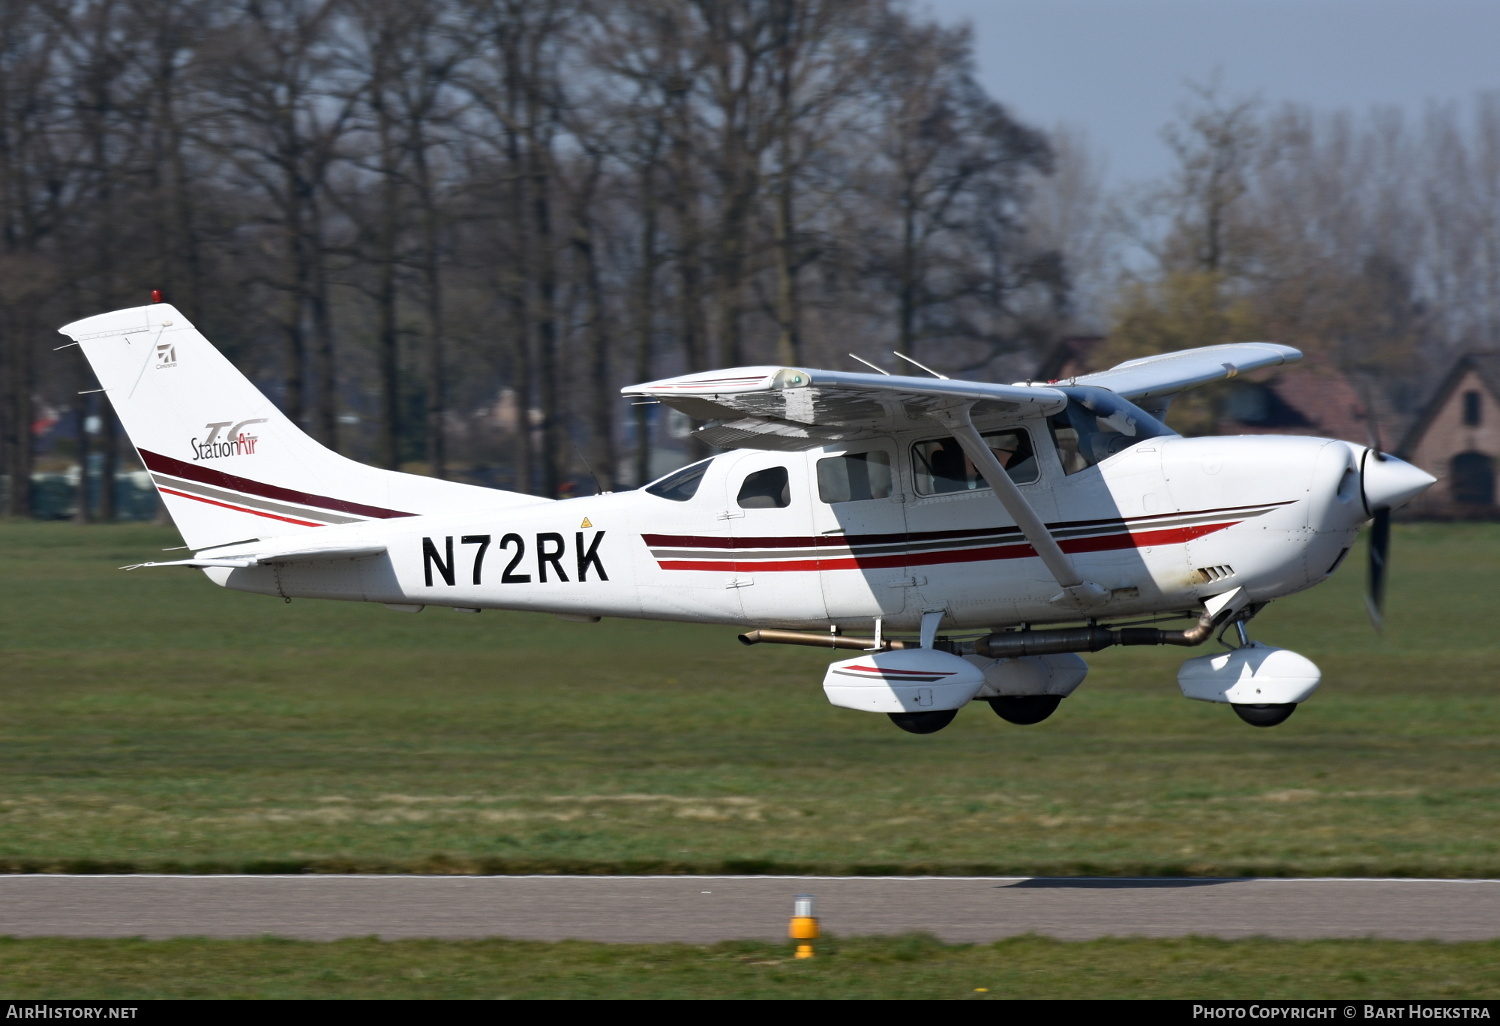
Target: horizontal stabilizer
x=241, y=561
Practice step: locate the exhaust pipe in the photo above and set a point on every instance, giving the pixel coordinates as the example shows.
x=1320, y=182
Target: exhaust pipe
x=1005, y=645
x=813, y=640
x=1010, y=644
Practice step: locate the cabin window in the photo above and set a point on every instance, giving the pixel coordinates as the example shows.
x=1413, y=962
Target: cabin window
x=766, y=489
x=1097, y=424
x=1473, y=409
x=1472, y=478
x=855, y=476
x=942, y=465
x=681, y=485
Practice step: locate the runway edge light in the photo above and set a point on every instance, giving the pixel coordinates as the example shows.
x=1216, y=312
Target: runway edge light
x=804, y=925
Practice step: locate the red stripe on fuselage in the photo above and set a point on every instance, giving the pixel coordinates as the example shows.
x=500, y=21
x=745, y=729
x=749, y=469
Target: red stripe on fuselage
x=698, y=541
x=240, y=509
x=1018, y=550
x=203, y=475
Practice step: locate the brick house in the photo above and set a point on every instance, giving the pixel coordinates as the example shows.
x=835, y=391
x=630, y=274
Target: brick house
x=1311, y=398
x=1456, y=439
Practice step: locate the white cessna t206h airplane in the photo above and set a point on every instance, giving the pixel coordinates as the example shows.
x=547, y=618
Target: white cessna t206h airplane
x=964, y=515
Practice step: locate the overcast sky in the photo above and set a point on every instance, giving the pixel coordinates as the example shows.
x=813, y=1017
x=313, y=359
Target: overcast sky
x=1116, y=68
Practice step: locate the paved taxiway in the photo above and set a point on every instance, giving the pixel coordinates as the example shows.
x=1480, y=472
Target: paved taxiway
x=704, y=909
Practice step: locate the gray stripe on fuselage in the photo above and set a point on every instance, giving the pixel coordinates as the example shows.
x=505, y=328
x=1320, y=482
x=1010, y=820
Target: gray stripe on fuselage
x=1001, y=536
x=194, y=488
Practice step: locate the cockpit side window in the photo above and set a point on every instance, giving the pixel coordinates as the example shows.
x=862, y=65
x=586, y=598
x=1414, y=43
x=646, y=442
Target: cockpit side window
x=1096, y=424
x=681, y=485
x=941, y=464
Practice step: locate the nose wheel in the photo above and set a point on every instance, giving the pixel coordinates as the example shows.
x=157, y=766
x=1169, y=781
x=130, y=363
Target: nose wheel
x=1264, y=715
x=1259, y=714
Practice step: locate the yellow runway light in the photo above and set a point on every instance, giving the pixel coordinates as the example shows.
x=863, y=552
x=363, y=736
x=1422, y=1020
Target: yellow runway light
x=804, y=925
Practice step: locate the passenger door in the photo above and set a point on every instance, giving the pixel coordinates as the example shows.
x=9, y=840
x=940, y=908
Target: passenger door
x=776, y=554
x=859, y=518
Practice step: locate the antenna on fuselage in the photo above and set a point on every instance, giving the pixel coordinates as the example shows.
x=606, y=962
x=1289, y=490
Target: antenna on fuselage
x=914, y=363
x=598, y=488
x=870, y=365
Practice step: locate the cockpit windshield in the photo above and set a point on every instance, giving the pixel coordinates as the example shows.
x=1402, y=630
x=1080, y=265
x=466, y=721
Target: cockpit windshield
x=1096, y=424
x=681, y=485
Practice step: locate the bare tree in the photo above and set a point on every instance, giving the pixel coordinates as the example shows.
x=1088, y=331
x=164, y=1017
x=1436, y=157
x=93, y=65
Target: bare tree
x=1069, y=213
x=281, y=120
x=952, y=173
x=30, y=180
x=404, y=57
x=563, y=194
x=99, y=46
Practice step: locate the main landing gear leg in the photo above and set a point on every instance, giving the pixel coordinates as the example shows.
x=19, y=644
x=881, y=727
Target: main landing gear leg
x=1262, y=714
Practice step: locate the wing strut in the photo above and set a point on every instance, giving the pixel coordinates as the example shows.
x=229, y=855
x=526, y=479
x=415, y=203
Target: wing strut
x=1074, y=587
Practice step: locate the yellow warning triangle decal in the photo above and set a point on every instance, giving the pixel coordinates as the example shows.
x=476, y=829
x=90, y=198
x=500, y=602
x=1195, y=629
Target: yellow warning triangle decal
x=585, y=523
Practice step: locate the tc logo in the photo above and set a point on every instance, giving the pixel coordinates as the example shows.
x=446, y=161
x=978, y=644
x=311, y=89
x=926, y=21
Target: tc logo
x=235, y=441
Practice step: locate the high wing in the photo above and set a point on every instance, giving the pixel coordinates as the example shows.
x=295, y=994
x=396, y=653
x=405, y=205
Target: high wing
x=793, y=408
x=1153, y=381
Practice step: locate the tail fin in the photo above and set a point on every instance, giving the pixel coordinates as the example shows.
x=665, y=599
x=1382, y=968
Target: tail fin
x=228, y=464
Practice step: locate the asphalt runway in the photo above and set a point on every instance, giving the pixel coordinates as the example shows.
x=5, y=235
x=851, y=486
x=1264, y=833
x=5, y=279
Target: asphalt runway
x=705, y=909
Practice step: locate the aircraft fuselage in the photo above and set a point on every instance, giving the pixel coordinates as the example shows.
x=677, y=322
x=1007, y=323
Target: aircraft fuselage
x=869, y=529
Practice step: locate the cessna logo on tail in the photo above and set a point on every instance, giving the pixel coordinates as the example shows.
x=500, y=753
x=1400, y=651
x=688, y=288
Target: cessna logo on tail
x=166, y=355
x=233, y=442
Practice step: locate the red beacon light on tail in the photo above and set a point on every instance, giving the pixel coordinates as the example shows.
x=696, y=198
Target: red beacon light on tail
x=156, y=296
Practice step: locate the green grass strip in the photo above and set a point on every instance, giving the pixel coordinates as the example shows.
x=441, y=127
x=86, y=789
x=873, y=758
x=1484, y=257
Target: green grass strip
x=912, y=966
x=449, y=865
x=152, y=722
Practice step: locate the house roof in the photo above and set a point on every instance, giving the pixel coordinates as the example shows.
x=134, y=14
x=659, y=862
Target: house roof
x=1311, y=399
x=1487, y=366
x=1484, y=364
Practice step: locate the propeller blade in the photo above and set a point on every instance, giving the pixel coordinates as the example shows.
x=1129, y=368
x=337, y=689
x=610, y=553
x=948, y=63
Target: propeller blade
x=1380, y=547
x=1372, y=426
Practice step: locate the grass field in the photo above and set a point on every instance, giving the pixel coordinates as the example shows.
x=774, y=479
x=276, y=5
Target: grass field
x=152, y=721
x=892, y=967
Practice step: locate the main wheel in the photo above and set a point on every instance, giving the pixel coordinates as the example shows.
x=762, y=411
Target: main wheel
x=923, y=722
x=1025, y=709
x=1265, y=715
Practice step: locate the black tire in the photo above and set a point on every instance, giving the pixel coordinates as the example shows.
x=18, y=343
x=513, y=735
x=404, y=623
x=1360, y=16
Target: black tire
x=1025, y=709
x=1265, y=715
x=923, y=722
